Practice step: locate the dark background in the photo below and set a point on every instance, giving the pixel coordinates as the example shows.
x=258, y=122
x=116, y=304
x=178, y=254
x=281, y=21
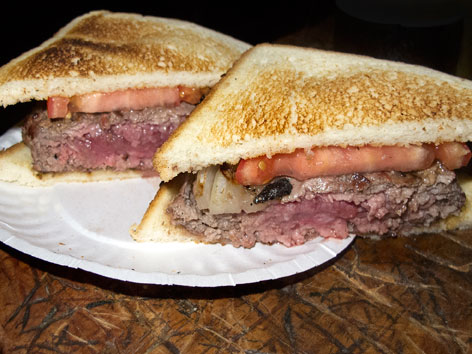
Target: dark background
x=435, y=36
x=252, y=22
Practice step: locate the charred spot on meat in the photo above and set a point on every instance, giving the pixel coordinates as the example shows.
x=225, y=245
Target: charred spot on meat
x=359, y=181
x=274, y=190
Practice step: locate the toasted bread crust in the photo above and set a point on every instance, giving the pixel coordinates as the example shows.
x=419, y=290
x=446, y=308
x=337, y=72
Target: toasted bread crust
x=156, y=226
x=277, y=98
x=104, y=51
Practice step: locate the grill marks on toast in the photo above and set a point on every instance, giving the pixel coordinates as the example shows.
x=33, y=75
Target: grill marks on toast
x=105, y=51
x=79, y=54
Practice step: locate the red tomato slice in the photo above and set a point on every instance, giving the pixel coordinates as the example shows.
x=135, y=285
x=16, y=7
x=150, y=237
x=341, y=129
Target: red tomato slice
x=327, y=161
x=136, y=99
x=453, y=155
x=57, y=107
x=128, y=99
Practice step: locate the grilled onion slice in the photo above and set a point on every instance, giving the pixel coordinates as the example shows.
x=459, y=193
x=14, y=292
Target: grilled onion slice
x=220, y=195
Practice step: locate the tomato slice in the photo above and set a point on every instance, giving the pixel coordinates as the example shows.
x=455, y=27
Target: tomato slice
x=127, y=99
x=326, y=161
x=59, y=107
x=453, y=155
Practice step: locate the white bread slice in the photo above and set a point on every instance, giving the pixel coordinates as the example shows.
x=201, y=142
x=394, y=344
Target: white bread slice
x=16, y=167
x=104, y=51
x=277, y=98
x=155, y=226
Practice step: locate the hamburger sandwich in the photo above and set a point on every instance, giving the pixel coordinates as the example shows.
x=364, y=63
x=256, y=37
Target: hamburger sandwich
x=111, y=88
x=296, y=143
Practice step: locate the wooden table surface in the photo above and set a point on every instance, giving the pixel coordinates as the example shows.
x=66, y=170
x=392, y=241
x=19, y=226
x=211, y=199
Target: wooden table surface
x=398, y=295
x=401, y=295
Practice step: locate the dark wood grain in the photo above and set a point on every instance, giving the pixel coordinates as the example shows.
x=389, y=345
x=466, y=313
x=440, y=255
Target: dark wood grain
x=400, y=295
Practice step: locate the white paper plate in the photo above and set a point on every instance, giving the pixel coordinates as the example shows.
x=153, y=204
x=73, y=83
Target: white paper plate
x=86, y=226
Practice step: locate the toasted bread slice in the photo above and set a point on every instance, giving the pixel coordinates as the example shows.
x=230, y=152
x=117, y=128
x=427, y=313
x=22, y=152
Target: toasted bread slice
x=156, y=225
x=16, y=167
x=277, y=98
x=103, y=51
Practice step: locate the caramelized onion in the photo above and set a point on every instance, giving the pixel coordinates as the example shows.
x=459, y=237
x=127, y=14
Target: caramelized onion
x=202, y=186
x=220, y=195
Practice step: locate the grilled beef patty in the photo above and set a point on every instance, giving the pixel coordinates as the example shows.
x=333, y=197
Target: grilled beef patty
x=371, y=204
x=88, y=141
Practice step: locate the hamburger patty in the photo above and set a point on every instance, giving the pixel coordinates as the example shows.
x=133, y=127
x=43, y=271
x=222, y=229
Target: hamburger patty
x=383, y=204
x=87, y=141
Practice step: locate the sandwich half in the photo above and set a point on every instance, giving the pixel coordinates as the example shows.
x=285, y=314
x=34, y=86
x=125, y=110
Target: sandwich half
x=111, y=87
x=296, y=143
